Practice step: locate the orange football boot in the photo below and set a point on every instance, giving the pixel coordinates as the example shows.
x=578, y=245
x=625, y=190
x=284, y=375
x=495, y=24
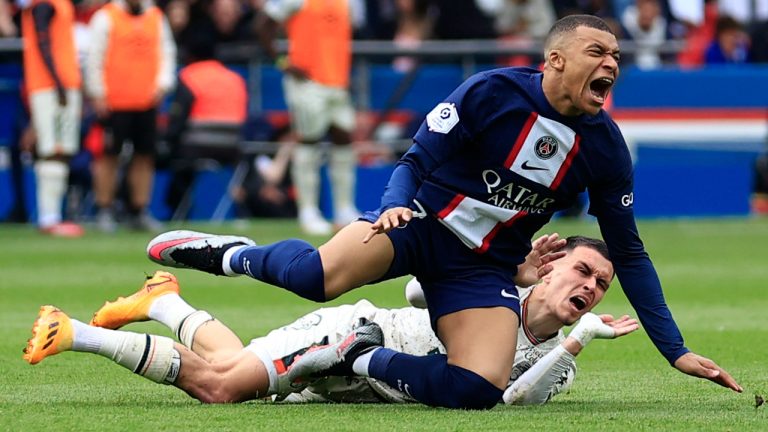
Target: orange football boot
x=135, y=308
x=51, y=334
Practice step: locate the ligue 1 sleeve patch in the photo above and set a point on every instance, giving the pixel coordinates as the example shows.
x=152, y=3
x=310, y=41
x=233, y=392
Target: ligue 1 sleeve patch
x=443, y=118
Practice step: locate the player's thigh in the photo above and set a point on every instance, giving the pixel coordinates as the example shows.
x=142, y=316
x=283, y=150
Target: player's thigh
x=43, y=106
x=482, y=340
x=307, y=104
x=349, y=263
x=282, y=346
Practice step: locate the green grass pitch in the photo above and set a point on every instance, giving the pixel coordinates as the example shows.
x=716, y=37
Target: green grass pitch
x=715, y=274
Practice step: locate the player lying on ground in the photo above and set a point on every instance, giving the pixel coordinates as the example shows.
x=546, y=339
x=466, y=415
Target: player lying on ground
x=212, y=365
x=489, y=167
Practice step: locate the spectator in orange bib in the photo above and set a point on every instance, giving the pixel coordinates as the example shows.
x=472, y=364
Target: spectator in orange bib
x=52, y=78
x=316, y=85
x=130, y=67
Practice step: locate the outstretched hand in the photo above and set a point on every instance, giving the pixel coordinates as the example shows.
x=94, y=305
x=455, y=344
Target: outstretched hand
x=619, y=327
x=389, y=220
x=591, y=326
x=544, y=250
x=701, y=367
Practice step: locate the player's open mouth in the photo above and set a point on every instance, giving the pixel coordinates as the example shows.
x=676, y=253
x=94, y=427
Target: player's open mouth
x=579, y=302
x=600, y=89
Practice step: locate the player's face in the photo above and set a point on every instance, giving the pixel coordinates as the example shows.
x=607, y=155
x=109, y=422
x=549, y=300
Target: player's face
x=590, y=68
x=577, y=283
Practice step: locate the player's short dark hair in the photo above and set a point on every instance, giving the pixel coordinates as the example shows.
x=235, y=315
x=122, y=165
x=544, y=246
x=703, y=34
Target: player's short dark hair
x=570, y=23
x=597, y=245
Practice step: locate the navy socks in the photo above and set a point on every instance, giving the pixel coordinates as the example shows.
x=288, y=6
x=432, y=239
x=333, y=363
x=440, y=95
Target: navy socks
x=291, y=264
x=432, y=381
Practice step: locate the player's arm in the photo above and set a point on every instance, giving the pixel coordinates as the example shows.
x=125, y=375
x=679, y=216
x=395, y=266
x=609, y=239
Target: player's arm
x=275, y=13
x=42, y=15
x=612, y=204
x=267, y=33
x=178, y=114
x=548, y=376
x=99, y=25
x=450, y=126
x=166, y=78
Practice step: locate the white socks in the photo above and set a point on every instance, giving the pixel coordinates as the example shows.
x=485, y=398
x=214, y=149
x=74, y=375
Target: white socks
x=51, y=178
x=305, y=171
x=170, y=310
x=343, y=173
x=153, y=357
x=226, y=261
x=182, y=319
x=360, y=365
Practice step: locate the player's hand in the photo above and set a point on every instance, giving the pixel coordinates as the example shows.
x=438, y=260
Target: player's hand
x=544, y=250
x=591, y=326
x=622, y=326
x=389, y=220
x=702, y=367
x=61, y=96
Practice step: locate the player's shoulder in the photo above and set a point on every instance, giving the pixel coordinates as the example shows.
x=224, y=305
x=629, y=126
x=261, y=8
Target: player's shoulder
x=508, y=78
x=498, y=90
x=603, y=125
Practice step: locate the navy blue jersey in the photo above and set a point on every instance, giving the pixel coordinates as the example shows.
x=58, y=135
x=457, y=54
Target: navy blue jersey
x=495, y=161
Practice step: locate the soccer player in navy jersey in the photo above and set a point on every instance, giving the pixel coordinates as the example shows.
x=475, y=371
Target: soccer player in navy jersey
x=488, y=168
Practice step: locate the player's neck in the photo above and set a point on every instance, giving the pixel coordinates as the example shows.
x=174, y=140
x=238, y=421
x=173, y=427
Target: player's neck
x=555, y=93
x=539, y=320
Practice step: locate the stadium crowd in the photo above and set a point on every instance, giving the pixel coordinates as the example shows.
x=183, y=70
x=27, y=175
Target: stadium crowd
x=707, y=31
x=650, y=22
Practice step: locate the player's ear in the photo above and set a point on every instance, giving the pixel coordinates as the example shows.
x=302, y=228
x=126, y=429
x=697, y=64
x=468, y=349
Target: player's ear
x=547, y=278
x=555, y=59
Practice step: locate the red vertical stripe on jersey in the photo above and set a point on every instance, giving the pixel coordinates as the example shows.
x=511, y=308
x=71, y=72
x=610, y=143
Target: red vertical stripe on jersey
x=491, y=235
x=451, y=206
x=520, y=140
x=567, y=163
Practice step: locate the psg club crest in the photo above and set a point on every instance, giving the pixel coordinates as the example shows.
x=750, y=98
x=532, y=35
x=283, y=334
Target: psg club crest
x=545, y=147
x=443, y=118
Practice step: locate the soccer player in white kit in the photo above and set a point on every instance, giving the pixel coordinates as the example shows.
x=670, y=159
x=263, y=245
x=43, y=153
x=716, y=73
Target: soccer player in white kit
x=212, y=365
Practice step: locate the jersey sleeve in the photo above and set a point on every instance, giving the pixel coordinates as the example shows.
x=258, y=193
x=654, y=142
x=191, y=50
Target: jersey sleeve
x=547, y=377
x=612, y=203
x=451, y=125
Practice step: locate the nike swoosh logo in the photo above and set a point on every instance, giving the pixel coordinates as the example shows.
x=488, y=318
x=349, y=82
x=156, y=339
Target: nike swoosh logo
x=506, y=294
x=533, y=168
x=156, y=250
x=166, y=279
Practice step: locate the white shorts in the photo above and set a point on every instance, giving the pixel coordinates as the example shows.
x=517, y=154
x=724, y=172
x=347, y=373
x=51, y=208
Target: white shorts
x=405, y=330
x=57, y=127
x=321, y=327
x=315, y=107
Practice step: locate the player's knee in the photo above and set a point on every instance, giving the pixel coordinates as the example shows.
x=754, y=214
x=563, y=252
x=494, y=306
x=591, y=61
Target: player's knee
x=469, y=390
x=304, y=273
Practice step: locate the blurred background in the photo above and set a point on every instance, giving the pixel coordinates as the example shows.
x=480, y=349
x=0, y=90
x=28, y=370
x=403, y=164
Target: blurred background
x=692, y=100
